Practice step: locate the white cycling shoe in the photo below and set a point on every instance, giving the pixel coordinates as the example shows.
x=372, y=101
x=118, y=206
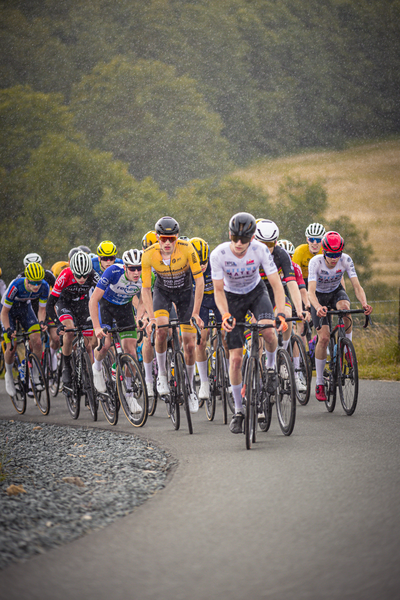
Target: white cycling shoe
x=98, y=380
x=133, y=404
x=150, y=389
x=162, y=385
x=204, y=391
x=300, y=384
x=193, y=403
x=10, y=387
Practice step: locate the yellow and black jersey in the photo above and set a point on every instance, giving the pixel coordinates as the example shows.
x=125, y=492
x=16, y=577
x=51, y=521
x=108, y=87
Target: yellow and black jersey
x=175, y=273
x=302, y=257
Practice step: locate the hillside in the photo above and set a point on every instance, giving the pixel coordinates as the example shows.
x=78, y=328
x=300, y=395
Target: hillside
x=362, y=181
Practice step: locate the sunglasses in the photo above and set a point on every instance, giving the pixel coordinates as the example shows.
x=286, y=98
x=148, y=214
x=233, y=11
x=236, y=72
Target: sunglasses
x=168, y=238
x=35, y=283
x=315, y=240
x=270, y=244
x=243, y=238
x=134, y=268
x=333, y=254
x=107, y=258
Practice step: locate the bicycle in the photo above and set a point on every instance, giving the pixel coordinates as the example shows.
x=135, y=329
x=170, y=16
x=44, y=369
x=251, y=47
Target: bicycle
x=341, y=370
x=302, y=370
x=257, y=399
x=127, y=387
x=82, y=377
x=2, y=350
x=53, y=377
x=27, y=369
x=178, y=379
x=152, y=401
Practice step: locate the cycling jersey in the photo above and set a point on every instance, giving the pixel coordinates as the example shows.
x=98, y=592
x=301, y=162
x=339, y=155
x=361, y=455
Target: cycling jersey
x=328, y=279
x=97, y=266
x=17, y=293
x=299, y=276
x=284, y=265
x=302, y=257
x=67, y=289
x=117, y=287
x=241, y=275
x=173, y=274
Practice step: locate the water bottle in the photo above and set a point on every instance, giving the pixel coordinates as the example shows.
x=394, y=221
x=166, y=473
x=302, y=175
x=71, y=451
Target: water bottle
x=21, y=369
x=139, y=353
x=213, y=360
x=311, y=345
x=114, y=371
x=334, y=352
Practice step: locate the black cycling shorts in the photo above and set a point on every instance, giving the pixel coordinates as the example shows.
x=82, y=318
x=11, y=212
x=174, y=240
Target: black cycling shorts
x=121, y=314
x=330, y=300
x=183, y=301
x=78, y=311
x=257, y=301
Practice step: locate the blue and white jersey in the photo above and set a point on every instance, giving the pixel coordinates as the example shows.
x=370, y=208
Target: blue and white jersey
x=17, y=292
x=97, y=267
x=117, y=288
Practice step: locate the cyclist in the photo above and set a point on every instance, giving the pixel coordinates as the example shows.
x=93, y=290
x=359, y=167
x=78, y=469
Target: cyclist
x=326, y=292
x=16, y=306
x=106, y=254
x=207, y=304
x=70, y=298
x=172, y=260
x=238, y=288
x=148, y=239
x=58, y=267
x=289, y=247
x=304, y=253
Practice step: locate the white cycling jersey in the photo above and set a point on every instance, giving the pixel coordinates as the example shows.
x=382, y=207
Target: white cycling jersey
x=241, y=275
x=328, y=280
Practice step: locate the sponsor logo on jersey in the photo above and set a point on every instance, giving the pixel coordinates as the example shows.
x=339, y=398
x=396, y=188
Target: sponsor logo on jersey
x=250, y=262
x=230, y=263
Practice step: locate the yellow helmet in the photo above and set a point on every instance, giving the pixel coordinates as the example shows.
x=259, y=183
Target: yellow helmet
x=58, y=267
x=201, y=248
x=106, y=248
x=149, y=239
x=34, y=272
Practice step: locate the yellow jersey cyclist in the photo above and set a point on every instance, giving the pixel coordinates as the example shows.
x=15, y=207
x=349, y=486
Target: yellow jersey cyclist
x=149, y=239
x=304, y=253
x=326, y=292
x=16, y=306
x=173, y=261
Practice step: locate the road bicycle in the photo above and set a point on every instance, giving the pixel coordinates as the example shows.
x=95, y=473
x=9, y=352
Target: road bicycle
x=124, y=381
x=341, y=371
x=301, y=365
x=152, y=400
x=82, y=376
x=29, y=377
x=256, y=398
x=2, y=350
x=179, y=385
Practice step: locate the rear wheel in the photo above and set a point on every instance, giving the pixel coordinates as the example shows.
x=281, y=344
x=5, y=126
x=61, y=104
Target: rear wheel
x=348, y=376
x=19, y=399
x=88, y=386
x=132, y=390
x=301, y=370
x=183, y=387
x=286, y=392
x=39, y=384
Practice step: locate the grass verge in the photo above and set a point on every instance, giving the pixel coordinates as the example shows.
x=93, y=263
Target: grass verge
x=378, y=353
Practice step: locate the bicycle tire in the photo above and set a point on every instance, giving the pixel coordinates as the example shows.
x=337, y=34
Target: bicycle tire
x=330, y=377
x=266, y=406
x=347, y=376
x=109, y=402
x=136, y=388
x=251, y=389
x=40, y=389
x=89, y=390
x=211, y=402
x=153, y=401
x=57, y=376
x=19, y=400
x=221, y=383
x=285, y=393
x=2, y=363
x=171, y=401
x=73, y=395
x=304, y=396
x=183, y=387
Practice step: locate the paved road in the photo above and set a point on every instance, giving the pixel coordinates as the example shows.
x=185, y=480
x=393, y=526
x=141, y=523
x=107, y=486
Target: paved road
x=312, y=516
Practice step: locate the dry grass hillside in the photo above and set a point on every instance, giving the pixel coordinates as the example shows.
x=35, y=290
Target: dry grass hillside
x=362, y=181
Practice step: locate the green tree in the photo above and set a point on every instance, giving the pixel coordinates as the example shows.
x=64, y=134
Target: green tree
x=152, y=119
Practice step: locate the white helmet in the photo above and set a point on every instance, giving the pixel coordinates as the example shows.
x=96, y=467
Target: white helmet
x=80, y=264
x=315, y=230
x=33, y=257
x=132, y=257
x=266, y=231
x=286, y=245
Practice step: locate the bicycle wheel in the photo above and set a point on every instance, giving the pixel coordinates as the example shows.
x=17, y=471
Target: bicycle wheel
x=348, y=376
x=47, y=367
x=301, y=372
x=330, y=379
x=56, y=383
x=1, y=357
x=132, y=390
x=211, y=402
x=73, y=394
x=264, y=421
x=251, y=390
x=153, y=400
x=221, y=383
x=183, y=388
x=109, y=402
x=89, y=390
x=286, y=392
x=171, y=401
x=19, y=400
x=39, y=384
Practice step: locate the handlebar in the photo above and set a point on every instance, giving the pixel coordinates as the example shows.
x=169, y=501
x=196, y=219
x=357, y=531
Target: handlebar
x=343, y=313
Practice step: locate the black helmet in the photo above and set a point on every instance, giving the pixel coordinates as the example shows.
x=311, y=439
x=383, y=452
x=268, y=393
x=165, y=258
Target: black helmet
x=243, y=224
x=167, y=226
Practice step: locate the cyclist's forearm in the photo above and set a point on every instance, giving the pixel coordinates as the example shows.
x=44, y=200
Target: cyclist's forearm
x=148, y=302
x=198, y=295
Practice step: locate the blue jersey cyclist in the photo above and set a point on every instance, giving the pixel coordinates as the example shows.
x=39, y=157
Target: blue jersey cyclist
x=16, y=306
x=106, y=255
x=113, y=301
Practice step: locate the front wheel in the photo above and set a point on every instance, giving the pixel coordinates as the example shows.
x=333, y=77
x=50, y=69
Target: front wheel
x=109, y=401
x=301, y=370
x=251, y=391
x=19, y=399
x=88, y=385
x=183, y=387
x=286, y=392
x=72, y=394
x=132, y=391
x=348, y=376
x=222, y=378
x=39, y=384
x=211, y=401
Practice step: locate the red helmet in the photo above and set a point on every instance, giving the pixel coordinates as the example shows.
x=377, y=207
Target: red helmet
x=332, y=242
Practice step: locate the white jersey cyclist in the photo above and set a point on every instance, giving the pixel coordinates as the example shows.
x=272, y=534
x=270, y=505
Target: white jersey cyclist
x=117, y=287
x=328, y=279
x=241, y=275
